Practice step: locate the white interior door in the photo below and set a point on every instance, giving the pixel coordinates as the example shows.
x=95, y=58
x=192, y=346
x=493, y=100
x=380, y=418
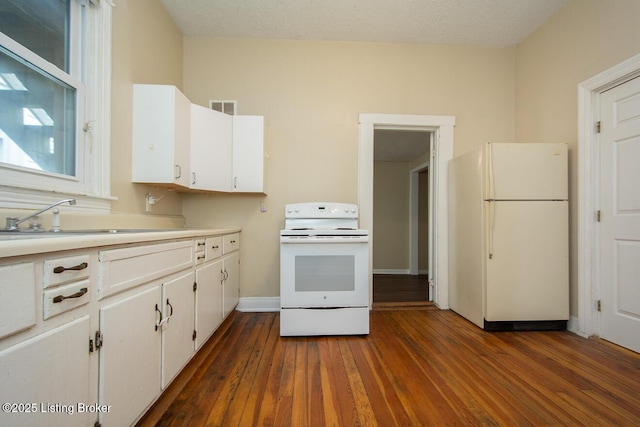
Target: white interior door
x=620, y=214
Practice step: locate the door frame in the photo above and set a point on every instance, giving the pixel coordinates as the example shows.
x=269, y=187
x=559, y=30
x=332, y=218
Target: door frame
x=442, y=126
x=414, y=218
x=588, y=320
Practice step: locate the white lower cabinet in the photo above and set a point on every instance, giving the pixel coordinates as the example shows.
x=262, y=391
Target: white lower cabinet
x=178, y=325
x=208, y=301
x=150, y=340
x=129, y=377
x=95, y=336
x=231, y=283
x=45, y=379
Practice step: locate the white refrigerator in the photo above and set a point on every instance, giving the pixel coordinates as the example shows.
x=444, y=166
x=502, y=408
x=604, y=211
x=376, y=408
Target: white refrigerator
x=508, y=236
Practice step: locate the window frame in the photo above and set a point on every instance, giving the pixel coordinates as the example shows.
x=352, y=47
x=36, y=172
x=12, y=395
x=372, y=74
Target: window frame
x=91, y=77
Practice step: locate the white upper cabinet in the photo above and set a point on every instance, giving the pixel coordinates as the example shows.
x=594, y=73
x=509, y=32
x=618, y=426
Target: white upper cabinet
x=161, y=136
x=188, y=147
x=248, y=154
x=211, y=149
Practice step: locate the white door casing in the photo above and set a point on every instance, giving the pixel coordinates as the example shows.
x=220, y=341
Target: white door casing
x=442, y=126
x=587, y=321
x=619, y=201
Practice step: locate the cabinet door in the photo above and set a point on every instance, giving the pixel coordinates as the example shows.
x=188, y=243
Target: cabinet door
x=48, y=370
x=208, y=300
x=17, y=298
x=211, y=139
x=248, y=154
x=130, y=357
x=231, y=288
x=161, y=135
x=177, y=341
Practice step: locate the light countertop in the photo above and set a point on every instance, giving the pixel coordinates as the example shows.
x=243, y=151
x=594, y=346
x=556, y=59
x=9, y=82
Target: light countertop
x=17, y=244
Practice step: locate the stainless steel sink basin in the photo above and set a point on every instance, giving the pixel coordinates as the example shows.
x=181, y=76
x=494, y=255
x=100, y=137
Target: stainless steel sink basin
x=32, y=234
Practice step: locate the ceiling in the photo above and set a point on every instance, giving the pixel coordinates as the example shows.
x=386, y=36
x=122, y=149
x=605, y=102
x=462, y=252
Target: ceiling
x=493, y=23
x=496, y=23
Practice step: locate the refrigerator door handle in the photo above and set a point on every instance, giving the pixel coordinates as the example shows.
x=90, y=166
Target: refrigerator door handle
x=491, y=184
x=491, y=216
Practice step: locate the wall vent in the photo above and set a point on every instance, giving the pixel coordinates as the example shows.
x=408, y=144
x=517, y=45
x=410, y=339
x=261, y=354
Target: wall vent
x=227, y=107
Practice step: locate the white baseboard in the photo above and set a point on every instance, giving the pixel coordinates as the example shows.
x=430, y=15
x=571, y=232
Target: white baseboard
x=259, y=304
x=390, y=271
x=574, y=326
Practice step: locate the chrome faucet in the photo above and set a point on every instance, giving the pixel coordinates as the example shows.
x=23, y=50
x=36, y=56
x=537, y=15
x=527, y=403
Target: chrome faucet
x=13, y=222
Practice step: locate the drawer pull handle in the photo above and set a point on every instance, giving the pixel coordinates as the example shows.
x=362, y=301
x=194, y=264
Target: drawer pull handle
x=78, y=294
x=62, y=269
x=215, y=247
x=200, y=243
x=201, y=257
x=233, y=241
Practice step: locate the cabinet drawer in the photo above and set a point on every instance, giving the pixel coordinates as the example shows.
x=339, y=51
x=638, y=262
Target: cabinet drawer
x=63, y=270
x=201, y=257
x=199, y=245
x=230, y=243
x=17, y=298
x=122, y=269
x=214, y=247
x=65, y=298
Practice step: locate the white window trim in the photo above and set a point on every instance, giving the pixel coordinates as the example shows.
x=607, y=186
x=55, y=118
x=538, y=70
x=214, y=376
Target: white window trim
x=19, y=190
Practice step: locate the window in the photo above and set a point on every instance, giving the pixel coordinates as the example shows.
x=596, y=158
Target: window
x=54, y=118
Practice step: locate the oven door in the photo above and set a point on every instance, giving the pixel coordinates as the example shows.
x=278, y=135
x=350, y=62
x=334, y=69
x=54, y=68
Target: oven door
x=317, y=274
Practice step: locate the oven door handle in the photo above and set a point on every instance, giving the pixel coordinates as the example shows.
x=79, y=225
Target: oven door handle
x=341, y=240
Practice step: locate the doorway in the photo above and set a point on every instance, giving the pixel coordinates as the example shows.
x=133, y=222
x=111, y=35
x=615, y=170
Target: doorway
x=442, y=129
x=401, y=206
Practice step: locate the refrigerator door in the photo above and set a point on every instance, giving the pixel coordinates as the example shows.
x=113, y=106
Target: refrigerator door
x=528, y=266
x=519, y=171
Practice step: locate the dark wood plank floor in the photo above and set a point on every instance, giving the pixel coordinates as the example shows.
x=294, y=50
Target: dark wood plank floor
x=393, y=288
x=416, y=367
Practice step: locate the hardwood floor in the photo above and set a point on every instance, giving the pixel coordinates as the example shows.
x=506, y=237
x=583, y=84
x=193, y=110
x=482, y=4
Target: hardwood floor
x=416, y=367
x=394, y=288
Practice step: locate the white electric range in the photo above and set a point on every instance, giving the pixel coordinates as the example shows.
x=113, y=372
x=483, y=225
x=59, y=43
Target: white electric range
x=324, y=271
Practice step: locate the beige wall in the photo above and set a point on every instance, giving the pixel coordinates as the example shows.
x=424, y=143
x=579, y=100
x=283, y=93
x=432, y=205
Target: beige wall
x=147, y=48
x=310, y=94
x=580, y=41
x=391, y=212
x=391, y=215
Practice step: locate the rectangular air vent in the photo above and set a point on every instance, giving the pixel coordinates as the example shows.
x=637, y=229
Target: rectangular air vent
x=227, y=107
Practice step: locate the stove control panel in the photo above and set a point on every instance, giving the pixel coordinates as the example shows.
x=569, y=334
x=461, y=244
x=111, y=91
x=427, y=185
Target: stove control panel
x=321, y=210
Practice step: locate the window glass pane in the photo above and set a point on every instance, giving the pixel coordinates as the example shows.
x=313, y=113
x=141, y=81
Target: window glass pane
x=41, y=26
x=37, y=119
